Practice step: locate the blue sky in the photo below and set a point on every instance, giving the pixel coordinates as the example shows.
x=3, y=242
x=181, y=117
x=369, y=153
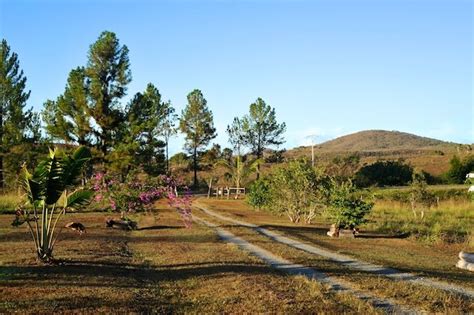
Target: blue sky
x=328, y=67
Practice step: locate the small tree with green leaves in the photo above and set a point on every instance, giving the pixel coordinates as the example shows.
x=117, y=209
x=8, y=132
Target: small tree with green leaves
x=51, y=190
x=347, y=207
x=420, y=198
x=298, y=191
x=259, y=194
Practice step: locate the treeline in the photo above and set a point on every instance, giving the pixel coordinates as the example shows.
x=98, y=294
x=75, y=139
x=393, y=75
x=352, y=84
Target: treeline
x=122, y=137
x=397, y=172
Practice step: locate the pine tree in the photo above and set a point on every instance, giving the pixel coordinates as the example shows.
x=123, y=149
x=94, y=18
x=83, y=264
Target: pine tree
x=260, y=129
x=197, y=123
x=68, y=117
x=13, y=96
x=146, y=114
x=168, y=129
x=108, y=72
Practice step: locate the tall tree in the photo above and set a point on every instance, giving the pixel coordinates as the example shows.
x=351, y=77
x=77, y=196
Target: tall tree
x=261, y=129
x=108, y=72
x=168, y=129
x=197, y=123
x=13, y=96
x=68, y=117
x=236, y=135
x=146, y=114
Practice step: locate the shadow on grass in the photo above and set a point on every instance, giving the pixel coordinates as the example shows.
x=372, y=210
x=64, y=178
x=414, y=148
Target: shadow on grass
x=160, y=227
x=95, y=274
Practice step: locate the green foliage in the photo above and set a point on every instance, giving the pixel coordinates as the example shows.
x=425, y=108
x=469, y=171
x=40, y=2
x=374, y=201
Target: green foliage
x=238, y=169
x=108, y=73
x=384, y=173
x=259, y=194
x=50, y=191
x=440, y=224
x=168, y=129
x=14, y=121
x=440, y=192
x=68, y=118
x=212, y=156
x=459, y=169
x=298, y=191
x=236, y=135
x=343, y=168
x=347, y=208
x=260, y=128
x=141, y=137
x=420, y=198
x=197, y=124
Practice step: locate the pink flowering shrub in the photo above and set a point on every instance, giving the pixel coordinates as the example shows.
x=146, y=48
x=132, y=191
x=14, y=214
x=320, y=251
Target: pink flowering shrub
x=182, y=205
x=137, y=196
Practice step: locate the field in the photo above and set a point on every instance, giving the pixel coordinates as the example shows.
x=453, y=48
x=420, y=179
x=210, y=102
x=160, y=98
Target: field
x=163, y=268
x=166, y=268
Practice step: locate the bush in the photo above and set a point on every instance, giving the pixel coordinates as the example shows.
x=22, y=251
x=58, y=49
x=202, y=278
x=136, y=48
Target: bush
x=459, y=169
x=420, y=198
x=298, y=191
x=259, y=195
x=384, y=173
x=347, y=208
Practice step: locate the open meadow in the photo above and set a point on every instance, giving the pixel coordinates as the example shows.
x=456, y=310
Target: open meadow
x=164, y=267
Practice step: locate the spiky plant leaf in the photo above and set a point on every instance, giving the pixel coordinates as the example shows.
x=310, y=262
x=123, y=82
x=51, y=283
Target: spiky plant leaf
x=53, y=178
x=30, y=186
x=79, y=198
x=74, y=165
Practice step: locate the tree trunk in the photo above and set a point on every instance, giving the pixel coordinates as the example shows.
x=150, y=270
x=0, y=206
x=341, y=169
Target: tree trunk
x=259, y=156
x=167, y=161
x=1, y=142
x=195, y=167
x=1, y=171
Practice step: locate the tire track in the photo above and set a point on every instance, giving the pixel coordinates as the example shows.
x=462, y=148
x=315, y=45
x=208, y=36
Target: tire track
x=289, y=267
x=346, y=260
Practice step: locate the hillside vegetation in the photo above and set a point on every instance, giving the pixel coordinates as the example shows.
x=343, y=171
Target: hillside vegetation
x=429, y=154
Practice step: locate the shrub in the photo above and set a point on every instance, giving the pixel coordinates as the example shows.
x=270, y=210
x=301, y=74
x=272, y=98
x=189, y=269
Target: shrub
x=420, y=198
x=259, y=194
x=298, y=191
x=384, y=173
x=459, y=168
x=50, y=191
x=347, y=208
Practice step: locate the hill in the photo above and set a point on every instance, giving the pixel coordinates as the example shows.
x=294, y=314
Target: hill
x=429, y=154
x=373, y=140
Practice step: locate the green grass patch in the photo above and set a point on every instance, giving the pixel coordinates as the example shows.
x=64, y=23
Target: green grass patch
x=9, y=201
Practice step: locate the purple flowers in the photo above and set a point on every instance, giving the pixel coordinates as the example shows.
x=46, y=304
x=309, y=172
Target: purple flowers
x=134, y=195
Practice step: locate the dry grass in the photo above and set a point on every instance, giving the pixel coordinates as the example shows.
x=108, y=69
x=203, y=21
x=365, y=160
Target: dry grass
x=435, y=259
x=9, y=201
x=163, y=268
x=430, y=300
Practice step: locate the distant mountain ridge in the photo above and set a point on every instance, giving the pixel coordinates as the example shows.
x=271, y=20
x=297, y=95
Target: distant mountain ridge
x=374, y=140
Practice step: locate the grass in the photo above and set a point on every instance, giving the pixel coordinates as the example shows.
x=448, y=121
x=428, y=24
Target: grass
x=428, y=299
x=450, y=222
x=9, y=201
x=162, y=268
x=432, y=259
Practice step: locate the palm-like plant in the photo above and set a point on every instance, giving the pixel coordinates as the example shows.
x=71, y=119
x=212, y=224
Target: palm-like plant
x=239, y=170
x=50, y=191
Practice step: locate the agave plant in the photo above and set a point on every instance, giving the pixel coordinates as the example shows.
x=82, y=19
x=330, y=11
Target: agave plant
x=51, y=191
